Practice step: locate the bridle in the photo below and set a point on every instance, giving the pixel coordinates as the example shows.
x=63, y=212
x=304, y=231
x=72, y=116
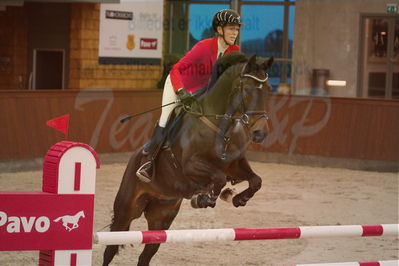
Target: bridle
x=243, y=117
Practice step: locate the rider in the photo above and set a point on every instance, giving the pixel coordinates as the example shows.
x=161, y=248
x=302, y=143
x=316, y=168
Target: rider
x=191, y=73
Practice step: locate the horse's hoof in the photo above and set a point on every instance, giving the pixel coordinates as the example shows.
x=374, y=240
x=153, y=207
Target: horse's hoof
x=237, y=202
x=227, y=194
x=202, y=201
x=194, y=202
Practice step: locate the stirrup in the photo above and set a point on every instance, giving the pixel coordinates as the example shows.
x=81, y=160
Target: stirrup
x=142, y=173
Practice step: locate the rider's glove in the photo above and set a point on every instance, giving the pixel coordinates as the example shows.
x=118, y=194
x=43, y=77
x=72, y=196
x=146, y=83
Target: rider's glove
x=185, y=97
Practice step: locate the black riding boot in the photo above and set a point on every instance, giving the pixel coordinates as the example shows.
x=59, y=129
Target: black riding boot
x=150, y=150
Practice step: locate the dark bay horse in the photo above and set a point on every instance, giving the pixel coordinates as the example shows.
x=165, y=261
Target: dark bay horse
x=206, y=150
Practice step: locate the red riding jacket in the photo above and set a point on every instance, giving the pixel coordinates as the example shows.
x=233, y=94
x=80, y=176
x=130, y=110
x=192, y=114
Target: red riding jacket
x=192, y=72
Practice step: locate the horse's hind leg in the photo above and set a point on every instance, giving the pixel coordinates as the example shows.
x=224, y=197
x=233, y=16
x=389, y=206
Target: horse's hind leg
x=112, y=250
x=121, y=222
x=160, y=215
x=129, y=205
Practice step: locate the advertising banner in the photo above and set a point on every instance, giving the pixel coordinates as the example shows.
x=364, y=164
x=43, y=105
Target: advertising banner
x=131, y=32
x=45, y=221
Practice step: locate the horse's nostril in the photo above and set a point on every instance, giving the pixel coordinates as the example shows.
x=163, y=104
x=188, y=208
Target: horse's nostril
x=258, y=136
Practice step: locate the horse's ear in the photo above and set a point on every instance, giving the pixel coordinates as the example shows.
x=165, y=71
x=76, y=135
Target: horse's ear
x=252, y=60
x=251, y=65
x=267, y=64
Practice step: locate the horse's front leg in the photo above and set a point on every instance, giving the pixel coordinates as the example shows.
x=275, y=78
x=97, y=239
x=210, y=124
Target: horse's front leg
x=204, y=200
x=242, y=170
x=204, y=173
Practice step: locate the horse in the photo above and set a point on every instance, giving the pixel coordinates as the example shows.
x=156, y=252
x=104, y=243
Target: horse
x=205, y=150
x=69, y=219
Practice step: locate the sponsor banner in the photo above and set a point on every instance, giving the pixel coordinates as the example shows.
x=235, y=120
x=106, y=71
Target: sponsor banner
x=45, y=221
x=112, y=14
x=148, y=43
x=131, y=32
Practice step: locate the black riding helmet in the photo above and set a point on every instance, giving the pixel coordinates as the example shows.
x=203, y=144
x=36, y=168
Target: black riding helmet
x=224, y=17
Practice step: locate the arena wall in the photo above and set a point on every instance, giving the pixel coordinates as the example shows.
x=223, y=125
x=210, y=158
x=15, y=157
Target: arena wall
x=348, y=128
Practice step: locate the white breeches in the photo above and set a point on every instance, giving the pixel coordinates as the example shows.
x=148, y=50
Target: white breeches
x=168, y=96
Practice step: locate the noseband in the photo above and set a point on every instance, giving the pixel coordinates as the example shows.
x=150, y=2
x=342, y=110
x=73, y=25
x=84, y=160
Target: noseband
x=255, y=78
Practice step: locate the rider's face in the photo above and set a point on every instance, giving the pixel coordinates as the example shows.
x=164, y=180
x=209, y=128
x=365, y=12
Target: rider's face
x=230, y=33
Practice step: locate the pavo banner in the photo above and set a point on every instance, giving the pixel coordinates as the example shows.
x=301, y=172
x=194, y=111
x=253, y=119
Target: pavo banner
x=131, y=32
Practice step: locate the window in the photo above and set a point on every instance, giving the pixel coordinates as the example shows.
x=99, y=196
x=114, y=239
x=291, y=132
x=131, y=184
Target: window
x=268, y=30
x=262, y=33
x=200, y=21
x=379, y=58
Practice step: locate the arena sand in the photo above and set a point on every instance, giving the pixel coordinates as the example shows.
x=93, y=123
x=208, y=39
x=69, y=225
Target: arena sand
x=290, y=196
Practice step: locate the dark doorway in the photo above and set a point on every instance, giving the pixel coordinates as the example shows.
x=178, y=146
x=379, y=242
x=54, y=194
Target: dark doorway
x=48, y=70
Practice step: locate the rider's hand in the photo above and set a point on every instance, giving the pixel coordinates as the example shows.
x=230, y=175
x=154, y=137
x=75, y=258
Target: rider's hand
x=185, y=97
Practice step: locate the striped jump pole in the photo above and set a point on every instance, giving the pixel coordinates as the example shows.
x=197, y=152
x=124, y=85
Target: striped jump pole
x=370, y=263
x=237, y=234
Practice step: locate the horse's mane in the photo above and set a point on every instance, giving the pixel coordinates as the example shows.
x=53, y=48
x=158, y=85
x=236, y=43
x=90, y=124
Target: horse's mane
x=221, y=65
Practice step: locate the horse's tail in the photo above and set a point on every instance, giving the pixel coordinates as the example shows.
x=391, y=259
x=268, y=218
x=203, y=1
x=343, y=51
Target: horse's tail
x=56, y=220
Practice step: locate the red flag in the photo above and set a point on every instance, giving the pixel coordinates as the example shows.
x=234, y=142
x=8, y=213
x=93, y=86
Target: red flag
x=60, y=123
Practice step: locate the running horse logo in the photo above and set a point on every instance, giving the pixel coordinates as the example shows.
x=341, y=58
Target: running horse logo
x=68, y=219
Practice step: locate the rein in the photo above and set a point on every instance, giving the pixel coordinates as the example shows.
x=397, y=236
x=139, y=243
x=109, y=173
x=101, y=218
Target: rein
x=244, y=117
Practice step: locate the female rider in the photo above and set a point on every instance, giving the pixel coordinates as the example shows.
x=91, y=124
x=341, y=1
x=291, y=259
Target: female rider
x=191, y=73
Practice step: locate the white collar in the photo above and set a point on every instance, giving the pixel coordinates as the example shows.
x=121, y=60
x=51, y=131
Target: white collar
x=221, y=49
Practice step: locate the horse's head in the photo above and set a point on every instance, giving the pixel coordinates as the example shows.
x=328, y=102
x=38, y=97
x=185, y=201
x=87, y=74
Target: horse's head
x=236, y=100
x=249, y=101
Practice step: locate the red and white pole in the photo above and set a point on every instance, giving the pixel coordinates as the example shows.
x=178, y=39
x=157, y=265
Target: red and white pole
x=370, y=263
x=236, y=234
